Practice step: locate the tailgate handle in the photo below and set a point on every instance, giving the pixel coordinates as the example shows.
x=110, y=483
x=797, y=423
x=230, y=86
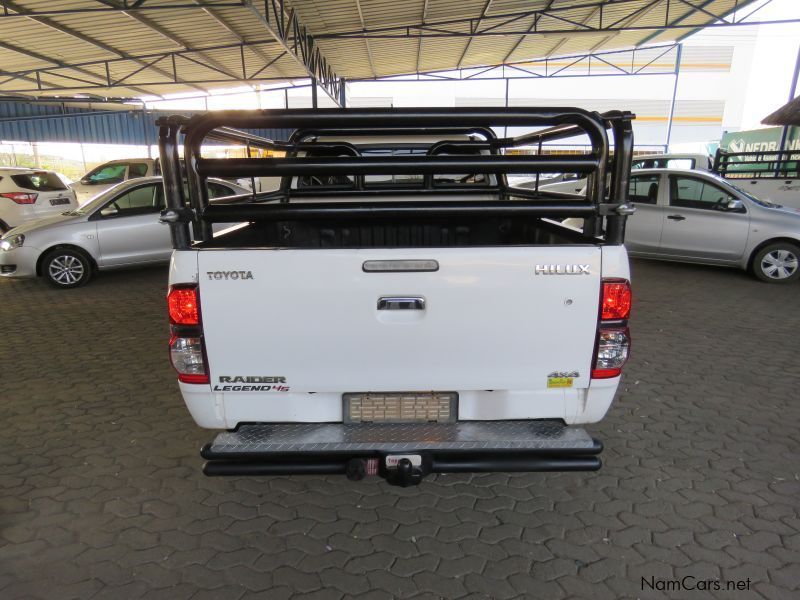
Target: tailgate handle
x=401, y=303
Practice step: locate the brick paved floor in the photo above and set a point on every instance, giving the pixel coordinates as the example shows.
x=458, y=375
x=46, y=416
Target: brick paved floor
x=101, y=494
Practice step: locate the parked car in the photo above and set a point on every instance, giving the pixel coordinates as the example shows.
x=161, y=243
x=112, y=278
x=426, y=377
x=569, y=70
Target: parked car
x=113, y=172
x=694, y=216
x=28, y=194
x=574, y=183
x=119, y=228
x=698, y=162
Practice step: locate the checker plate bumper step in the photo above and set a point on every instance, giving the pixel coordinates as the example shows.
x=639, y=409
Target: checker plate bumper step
x=461, y=436
x=465, y=446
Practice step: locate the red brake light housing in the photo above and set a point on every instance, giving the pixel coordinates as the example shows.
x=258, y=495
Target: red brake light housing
x=616, y=302
x=613, y=337
x=21, y=197
x=184, y=308
x=186, y=345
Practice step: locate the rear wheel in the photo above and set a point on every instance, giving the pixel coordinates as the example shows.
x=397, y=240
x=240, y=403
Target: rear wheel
x=66, y=268
x=777, y=263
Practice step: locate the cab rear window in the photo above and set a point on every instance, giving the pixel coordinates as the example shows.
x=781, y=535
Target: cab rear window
x=41, y=182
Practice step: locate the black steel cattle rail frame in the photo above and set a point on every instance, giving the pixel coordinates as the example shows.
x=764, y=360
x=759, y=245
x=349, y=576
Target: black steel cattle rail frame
x=558, y=123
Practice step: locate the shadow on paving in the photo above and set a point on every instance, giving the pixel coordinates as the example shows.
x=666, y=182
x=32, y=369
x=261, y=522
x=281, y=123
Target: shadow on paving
x=102, y=496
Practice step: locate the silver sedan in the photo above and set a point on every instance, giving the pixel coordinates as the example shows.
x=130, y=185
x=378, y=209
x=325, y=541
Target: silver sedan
x=695, y=216
x=118, y=228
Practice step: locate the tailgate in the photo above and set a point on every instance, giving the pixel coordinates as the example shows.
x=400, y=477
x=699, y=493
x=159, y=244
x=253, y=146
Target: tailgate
x=54, y=202
x=487, y=320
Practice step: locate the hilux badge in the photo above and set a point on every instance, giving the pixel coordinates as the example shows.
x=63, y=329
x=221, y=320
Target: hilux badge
x=562, y=270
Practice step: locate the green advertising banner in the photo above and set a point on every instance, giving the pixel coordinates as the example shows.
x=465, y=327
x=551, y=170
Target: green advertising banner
x=759, y=140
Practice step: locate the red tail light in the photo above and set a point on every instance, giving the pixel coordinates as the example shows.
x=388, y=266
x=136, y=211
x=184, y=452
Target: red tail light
x=616, y=300
x=183, y=306
x=613, y=338
x=21, y=197
x=186, y=346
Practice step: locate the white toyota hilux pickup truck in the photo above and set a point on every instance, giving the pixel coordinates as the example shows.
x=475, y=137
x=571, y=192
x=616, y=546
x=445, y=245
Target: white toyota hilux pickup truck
x=396, y=308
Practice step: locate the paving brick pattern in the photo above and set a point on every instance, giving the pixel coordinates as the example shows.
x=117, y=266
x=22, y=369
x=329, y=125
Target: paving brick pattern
x=101, y=494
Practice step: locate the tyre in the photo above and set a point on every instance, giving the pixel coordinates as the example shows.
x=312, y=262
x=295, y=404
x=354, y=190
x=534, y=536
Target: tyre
x=66, y=268
x=777, y=263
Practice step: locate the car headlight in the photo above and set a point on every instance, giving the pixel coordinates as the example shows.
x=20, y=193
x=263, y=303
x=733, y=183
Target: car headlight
x=12, y=241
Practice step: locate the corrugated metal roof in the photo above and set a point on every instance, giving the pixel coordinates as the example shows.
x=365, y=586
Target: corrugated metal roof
x=94, y=124
x=173, y=46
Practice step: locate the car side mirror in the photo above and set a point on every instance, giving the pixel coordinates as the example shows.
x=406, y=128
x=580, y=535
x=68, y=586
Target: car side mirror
x=109, y=211
x=734, y=205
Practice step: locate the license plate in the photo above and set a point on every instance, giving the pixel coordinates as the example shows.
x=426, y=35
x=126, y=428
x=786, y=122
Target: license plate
x=393, y=460
x=58, y=201
x=400, y=407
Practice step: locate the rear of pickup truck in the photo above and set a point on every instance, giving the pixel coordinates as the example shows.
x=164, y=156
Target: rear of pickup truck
x=421, y=335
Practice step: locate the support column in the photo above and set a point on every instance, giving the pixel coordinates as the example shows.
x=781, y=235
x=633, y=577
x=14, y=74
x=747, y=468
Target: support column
x=342, y=93
x=314, y=93
x=674, y=95
x=792, y=89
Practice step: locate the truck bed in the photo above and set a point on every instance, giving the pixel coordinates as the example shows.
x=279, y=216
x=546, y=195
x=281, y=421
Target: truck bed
x=378, y=233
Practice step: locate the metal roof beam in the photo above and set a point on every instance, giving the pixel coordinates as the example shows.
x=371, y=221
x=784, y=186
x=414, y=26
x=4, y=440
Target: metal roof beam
x=138, y=7
x=477, y=26
x=301, y=46
x=172, y=37
x=673, y=23
x=450, y=27
x=419, y=44
x=366, y=42
x=209, y=9
x=10, y=5
x=524, y=35
x=146, y=60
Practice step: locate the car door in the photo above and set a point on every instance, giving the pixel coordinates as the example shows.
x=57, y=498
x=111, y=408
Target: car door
x=128, y=229
x=643, y=229
x=698, y=224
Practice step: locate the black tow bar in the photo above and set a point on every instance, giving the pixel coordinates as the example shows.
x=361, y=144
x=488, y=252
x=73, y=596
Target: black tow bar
x=403, y=473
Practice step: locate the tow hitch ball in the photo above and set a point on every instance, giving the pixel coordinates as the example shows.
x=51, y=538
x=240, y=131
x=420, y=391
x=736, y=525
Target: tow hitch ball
x=404, y=475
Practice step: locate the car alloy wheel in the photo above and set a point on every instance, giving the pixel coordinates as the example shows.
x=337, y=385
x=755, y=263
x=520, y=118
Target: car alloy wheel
x=779, y=264
x=66, y=268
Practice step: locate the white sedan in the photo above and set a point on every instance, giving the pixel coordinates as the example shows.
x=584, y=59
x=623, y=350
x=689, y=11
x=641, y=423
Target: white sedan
x=118, y=228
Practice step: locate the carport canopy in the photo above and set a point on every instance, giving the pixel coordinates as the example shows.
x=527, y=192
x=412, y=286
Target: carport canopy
x=137, y=48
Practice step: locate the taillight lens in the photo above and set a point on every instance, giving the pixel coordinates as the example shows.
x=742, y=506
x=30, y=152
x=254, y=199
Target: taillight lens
x=613, y=337
x=183, y=306
x=613, y=347
x=186, y=346
x=616, y=302
x=21, y=197
x=186, y=354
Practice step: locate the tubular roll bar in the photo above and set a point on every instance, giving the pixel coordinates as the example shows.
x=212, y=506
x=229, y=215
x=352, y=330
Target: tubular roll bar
x=560, y=123
x=775, y=164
